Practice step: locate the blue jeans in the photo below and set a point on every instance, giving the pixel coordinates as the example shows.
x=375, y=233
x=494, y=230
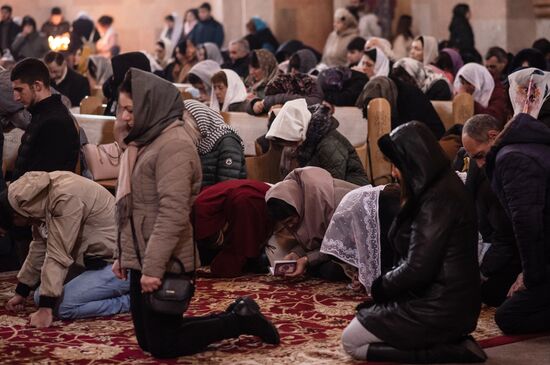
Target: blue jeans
x=93, y=293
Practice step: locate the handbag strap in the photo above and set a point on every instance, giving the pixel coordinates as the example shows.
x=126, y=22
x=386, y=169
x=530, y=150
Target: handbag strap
x=182, y=267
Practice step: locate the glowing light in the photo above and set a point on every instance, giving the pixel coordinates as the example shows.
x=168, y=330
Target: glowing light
x=60, y=42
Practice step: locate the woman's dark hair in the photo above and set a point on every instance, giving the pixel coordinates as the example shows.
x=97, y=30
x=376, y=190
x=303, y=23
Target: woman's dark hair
x=445, y=62
x=28, y=20
x=219, y=77
x=401, y=74
x=279, y=210
x=161, y=44
x=404, y=26
x=372, y=54
x=105, y=20
x=126, y=86
x=170, y=18
x=294, y=62
x=193, y=79
x=253, y=60
x=460, y=10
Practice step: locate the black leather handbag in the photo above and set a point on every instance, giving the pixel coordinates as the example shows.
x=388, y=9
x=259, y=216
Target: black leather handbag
x=176, y=291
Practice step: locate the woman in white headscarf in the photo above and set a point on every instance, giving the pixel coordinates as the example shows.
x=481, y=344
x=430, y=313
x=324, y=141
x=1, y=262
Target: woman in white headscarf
x=374, y=63
x=172, y=31
x=383, y=44
x=489, y=98
x=433, y=84
x=200, y=77
x=210, y=51
x=424, y=49
x=228, y=92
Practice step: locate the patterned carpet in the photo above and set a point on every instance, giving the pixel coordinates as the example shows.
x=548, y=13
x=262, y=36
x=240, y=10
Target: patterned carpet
x=310, y=315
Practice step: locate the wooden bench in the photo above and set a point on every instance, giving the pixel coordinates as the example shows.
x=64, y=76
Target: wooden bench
x=249, y=127
x=92, y=105
x=457, y=111
x=98, y=128
x=265, y=167
x=379, y=117
x=355, y=128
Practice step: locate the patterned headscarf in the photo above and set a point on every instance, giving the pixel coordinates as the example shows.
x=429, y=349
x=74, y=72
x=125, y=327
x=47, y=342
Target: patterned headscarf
x=300, y=84
x=210, y=124
x=268, y=64
x=529, y=89
x=424, y=76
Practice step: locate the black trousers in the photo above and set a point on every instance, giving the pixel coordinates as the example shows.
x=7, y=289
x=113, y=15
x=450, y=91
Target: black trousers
x=169, y=336
x=495, y=289
x=527, y=311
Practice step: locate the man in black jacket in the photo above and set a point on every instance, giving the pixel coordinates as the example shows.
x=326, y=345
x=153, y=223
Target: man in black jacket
x=501, y=263
x=65, y=80
x=51, y=141
x=518, y=167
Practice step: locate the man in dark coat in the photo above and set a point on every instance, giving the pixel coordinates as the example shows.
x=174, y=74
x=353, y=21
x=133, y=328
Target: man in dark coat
x=8, y=28
x=239, y=60
x=429, y=302
x=56, y=25
x=51, y=141
x=67, y=81
x=518, y=166
x=501, y=263
x=208, y=29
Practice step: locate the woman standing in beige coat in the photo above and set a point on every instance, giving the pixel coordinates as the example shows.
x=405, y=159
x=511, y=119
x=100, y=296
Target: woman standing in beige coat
x=336, y=47
x=159, y=178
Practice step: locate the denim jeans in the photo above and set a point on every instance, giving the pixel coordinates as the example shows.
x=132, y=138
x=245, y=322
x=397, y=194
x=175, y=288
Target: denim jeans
x=92, y=293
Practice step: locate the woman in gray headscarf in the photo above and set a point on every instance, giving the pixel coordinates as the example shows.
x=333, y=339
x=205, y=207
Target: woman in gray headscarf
x=210, y=51
x=159, y=178
x=200, y=77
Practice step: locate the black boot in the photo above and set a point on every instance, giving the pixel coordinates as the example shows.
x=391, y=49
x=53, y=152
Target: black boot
x=252, y=322
x=464, y=351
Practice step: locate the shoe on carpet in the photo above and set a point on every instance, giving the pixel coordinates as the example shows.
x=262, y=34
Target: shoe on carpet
x=253, y=322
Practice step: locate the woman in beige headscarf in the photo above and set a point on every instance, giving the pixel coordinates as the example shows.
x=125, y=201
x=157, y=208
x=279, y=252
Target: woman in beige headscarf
x=262, y=69
x=345, y=29
x=301, y=207
x=159, y=178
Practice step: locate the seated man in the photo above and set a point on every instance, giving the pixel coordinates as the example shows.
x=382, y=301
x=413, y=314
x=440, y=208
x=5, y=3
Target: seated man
x=501, y=263
x=67, y=81
x=51, y=140
x=74, y=239
x=238, y=53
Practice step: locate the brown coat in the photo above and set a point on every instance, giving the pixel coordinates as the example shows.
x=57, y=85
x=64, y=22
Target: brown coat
x=165, y=182
x=78, y=218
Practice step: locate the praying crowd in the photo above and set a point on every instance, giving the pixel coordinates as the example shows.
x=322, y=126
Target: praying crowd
x=464, y=219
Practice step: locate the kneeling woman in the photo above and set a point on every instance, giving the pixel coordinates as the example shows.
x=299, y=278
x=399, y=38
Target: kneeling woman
x=159, y=178
x=301, y=207
x=424, y=308
x=232, y=226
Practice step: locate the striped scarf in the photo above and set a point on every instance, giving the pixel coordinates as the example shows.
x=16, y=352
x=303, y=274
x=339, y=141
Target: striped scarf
x=211, y=126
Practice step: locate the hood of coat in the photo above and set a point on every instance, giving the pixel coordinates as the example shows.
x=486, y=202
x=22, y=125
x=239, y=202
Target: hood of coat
x=413, y=149
x=157, y=103
x=28, y=195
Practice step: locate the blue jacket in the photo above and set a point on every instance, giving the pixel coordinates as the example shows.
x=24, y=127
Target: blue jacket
x=519, y=168
x=208, y=31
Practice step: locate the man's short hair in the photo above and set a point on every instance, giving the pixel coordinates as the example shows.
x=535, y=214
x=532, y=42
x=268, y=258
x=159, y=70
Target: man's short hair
x=105, y=20
x=497, y=52
x=242, y=43
x=206, y=6
x=30, y=70
x=56, y=10
x=53, y=56
x=478, y=127
x=7, y=8
x=357, y=44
